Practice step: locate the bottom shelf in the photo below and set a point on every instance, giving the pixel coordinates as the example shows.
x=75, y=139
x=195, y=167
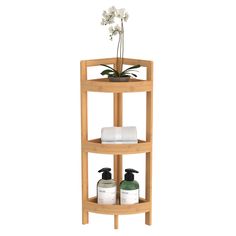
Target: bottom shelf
x=141, y=207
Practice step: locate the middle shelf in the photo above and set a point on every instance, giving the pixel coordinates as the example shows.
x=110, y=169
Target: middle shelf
x=95, y=146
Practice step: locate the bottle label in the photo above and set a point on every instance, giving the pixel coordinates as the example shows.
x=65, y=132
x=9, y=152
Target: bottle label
x=129, y=196
x=107, y=195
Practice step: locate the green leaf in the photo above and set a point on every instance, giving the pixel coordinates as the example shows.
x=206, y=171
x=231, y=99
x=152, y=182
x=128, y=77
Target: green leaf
x=108, y=67
x=129, y=74
x=128, y=71
x=134, y=75
x=132, y=67
x=115, y=72
x=107, y=72
x=123, y=73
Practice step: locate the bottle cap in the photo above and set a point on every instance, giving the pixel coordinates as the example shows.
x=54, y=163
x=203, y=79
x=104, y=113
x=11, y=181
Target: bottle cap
x=129, y=176
x=106, y=173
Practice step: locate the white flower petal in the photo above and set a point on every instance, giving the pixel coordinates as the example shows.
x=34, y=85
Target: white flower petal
x=104, y=13
x=117, y=28
x=112, y=10
x=126, y=17
x=111, y=29
x=120, y=13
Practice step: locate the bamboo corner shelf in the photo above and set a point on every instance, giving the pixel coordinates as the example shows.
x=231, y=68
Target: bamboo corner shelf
x=117, y=150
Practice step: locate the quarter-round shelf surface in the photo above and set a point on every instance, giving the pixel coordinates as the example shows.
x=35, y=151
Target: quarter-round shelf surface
x=104, y=85
x=95, y=146
x=141, y=207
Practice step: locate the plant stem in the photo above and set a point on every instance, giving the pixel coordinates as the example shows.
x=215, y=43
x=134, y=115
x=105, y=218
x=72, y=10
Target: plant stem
x=120, y=50
x=117, y=54
x=120, y=66
x=123, y=44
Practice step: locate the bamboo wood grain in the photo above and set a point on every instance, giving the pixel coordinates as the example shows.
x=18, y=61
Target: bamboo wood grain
x=85, y=215
x=95, y=146
x=97, y=62
x=117, y=121
x=127, y=61
x=84, y=137
x=117, y=159
x=141, y=207
x=149, y=124
x=103, y=85
x=144, y=63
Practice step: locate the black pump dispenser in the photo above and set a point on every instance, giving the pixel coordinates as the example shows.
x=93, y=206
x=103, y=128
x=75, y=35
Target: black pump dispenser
x=129, y=176
x=106, y=173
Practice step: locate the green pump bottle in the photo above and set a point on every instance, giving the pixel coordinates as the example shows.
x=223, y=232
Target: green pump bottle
x=129, y=188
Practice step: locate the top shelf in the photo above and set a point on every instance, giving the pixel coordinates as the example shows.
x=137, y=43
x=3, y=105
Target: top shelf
x=104, y=85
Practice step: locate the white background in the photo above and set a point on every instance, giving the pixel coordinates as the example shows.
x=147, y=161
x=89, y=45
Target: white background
x=193, y=46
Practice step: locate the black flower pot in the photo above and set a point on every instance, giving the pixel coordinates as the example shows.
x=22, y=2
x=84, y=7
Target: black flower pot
x=118, y=79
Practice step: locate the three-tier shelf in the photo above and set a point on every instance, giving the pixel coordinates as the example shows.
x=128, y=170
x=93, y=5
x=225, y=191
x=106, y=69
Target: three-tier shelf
x=117, y=150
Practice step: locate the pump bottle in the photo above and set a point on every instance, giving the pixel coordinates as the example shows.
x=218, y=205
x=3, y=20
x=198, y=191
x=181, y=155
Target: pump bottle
x=106, y=188
x=129, y=188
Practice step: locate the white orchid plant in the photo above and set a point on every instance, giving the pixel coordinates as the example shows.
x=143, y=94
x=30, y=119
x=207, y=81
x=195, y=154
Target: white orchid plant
x=109, y=18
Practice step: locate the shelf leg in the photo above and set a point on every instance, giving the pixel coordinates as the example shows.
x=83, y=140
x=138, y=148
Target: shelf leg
x=85, y=217
x=118, y=106
x=84, y=138
x=149, y=123
x=116, y=221
x=148, y=215
x=148, y=218
x=85, y=214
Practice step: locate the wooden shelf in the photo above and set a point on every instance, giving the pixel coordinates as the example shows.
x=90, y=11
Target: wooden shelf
x=117, y=150
x=92, y=206
x=95, y=146
x=104, y=85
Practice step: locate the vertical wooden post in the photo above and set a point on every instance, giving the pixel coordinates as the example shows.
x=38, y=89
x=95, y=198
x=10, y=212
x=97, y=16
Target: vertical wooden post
x=149, y=122
x=84, y=137
x=118, y=120
x=117, y=158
